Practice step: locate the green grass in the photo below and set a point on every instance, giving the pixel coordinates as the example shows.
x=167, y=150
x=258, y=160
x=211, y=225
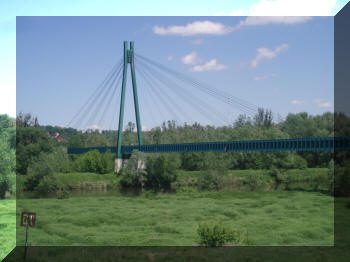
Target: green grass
x=270, y=218
x=7, y=226
x=76, y=178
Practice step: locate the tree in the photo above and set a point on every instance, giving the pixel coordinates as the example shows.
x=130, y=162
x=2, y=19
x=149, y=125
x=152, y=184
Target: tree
x=160, y=172
x=134, y=174
x=7, y=156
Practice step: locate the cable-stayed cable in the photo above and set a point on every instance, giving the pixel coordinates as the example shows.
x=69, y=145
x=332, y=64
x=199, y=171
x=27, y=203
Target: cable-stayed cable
x=169, y=98
x=97, y=90
x=102, y=98
x=240, y=104
x=201, y=106
x=103, y=115
x=159, y=95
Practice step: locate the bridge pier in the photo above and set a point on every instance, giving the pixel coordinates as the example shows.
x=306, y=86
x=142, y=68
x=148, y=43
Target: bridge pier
x=120, y=163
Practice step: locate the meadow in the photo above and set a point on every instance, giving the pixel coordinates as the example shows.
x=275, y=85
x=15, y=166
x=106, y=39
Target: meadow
x=268, y=218
x=7, y=226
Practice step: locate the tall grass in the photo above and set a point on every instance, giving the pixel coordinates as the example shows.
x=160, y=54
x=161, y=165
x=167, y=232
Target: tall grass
x=269, y=218
x=7, y=226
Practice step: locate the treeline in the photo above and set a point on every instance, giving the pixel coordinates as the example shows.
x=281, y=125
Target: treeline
x=259, y=127
x=39, y=154
x=7, y=155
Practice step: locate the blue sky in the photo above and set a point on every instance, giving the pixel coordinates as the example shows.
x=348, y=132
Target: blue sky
x=9, y=9
x=285, y=64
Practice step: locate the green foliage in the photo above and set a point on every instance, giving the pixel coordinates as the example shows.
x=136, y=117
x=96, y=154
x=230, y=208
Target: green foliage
x=134, y=174
x=331, y=177
x=342, y=179
x=254, y=180
x=30, y=143
x=7, y=156
x=160, y=172
x=63, y=194
x=47, y=185
x=211, y=180
x=216, y=235
x=41, y=175
x=95, y=162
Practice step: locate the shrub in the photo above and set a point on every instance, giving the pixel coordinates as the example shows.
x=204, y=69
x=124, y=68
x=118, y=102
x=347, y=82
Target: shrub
x=161, y=172
x=95, y=162
x=331, y=177
x=134, y=175
x=42, y=167
x=46, y=185
x=216, y=235
x=211, y=180
x=254, y=180
x=63, y=194
x=4, y=185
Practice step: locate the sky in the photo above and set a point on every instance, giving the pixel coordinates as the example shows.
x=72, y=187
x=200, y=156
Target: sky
x=281, y=63
x=206, y=43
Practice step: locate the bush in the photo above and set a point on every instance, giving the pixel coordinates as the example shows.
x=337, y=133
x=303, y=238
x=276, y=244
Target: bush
x=161, y=172
x=216, y=235
x=4, y=185
x=41, y=177
x=254, y=180
x=134, y=175
x=63, y=194
x=211, y=180
x=47, y=185
x=331, y=177
x=95, y=162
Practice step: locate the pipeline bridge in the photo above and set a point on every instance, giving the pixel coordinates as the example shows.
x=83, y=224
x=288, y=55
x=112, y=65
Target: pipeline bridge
x=158, y=78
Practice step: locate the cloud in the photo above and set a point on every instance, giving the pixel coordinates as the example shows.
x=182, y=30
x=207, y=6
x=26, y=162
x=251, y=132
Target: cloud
x=170, y=58
x=289, y=8
x=321, y=103
x=211, y=65
x=191, y=59
x=264, y=77
x=93, y=127
x=265, y=20
x=297, y=102
x=264, y=53
x=195, y=28
x=144, y=128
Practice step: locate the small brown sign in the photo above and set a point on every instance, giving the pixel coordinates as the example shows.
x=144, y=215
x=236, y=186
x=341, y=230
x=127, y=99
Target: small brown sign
x=28, y=219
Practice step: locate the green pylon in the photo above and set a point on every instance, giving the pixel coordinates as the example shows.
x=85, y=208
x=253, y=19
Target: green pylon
x=128, y=59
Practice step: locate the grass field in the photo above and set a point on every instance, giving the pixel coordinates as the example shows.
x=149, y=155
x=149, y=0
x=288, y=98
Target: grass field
x=7, y=227
x=269, y=218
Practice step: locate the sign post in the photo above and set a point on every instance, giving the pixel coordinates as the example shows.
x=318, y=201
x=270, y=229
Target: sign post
x=27, y=220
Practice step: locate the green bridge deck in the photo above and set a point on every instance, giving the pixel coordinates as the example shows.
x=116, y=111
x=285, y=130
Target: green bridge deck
x=297, y=144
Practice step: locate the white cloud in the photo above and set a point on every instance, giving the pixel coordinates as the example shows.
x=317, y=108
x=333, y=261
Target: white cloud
x=325, y=104
x=170, y=58
x=265, y=20
x=297, y=102
x=322, y=103
x=93, y=127
x=211, y=65
x=191, y=59
x=144, y=128
x=289, y=8
x=264, y=77
x=264, y=53
x=195, y=28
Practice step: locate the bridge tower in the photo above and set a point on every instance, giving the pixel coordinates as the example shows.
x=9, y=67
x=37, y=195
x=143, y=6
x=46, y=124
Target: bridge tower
x=128, y=59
